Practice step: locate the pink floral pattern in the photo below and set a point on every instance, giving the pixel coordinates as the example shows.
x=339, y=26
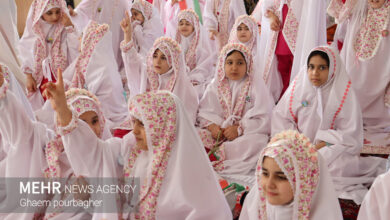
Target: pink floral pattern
x=223, y=20
x=190, y=16
x=144, y=7
x=93, y=34
x=171, y=49
x=58, y=59
x=341, y=11
x=298, y=159
x=251, y=23
x=370, y=34
x=157, y=111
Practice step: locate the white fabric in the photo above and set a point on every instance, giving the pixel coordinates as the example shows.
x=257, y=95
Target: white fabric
x=188, y=188
x=9, y=39
x=315, y=120
x=376, y=202
x=311, y=16
x=369, y=77
x=324, y=203
x=112, y=12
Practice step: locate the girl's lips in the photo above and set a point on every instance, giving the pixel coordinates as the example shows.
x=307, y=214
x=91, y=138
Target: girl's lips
x=272, y=194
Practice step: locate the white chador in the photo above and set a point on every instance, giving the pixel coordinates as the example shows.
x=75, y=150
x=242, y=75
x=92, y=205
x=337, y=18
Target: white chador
x=104, y=12
x=176, y=178
x=330, y=113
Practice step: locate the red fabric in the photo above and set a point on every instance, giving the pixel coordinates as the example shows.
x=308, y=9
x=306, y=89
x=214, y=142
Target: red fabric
x=282, y=47
x=211, y=156
x=44, y=81
x=183, y=5
x=151, y=1
x=285, y=63
x=120, y=133
x=340, y=45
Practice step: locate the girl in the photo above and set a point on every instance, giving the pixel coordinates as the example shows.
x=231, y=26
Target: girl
x=321, y=104
x=44, y=155
x=219, y=17
x=246, y=31
x=234, y=113
x=284, y=38
x=198, y=54
x=103, y=12
x=365, y=48
x=163, y=140
x=164, y=69
x=292, y=183
x=146, y=25
x=49, y=42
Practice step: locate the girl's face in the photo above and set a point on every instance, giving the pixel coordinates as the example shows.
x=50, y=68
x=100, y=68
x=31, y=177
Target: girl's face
x=140, y=135
x=137, y=16
x=243, y=33
x=92, y=119
x=52, y=16
x=318, y=70
x=375, y=4
x=235, y=66
x=185, y=28
x=276, y=186
x=160, y=62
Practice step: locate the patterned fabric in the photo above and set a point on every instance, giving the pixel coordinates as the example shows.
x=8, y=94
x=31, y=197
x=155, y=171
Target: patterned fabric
x=58, y=59
x=224, y=93
x=372, y=31
x=157, y=111
x=349, y=209
x=190, y=16
x=298, y=159
x=144, y=7
x=171, y=49
x=251, y=23
x=80, y=101
x=91, y=37
x=223, y=20
x=341, y=11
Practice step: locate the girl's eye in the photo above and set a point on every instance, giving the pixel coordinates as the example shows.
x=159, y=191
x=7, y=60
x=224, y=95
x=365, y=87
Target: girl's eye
x=310, y=67
x=154, y=55
x=323, y=67
x=163, y=58
x=95, y=121
x=282, y=177
x=229, y=62
x=264, y=174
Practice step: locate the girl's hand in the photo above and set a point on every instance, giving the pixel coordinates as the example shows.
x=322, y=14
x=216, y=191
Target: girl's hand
x=274, y=20
x=31, y=85
x=1, y=77
x=213, y=34
x=216, y=131
x=127, y=28
x=174, y=2
x=231, y=132
x=66, y=20
x=71, y=11
x=320, y=145
x=55, y=92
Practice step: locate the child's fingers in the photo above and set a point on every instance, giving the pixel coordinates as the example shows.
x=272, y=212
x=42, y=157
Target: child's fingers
x=60, y=79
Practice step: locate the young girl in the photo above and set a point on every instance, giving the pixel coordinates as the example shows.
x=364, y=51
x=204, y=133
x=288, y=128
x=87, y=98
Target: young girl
x=321, y=104
x=246, y=31
x=43, y=153
x=146, y=26
x=95, y=69
x=365, y=49
x=219, y=17
x=163, y=150
x=199, y=56
x=103, y=12
x=234, y=113
x=49, y=42
x=285, y=41
x=292, y=183
x=164, y=69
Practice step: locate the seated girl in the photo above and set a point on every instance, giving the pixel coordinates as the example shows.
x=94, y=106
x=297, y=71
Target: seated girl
x=321, y=104
x=199, y=56
x=293, y=182
x=163, y=150
x=234, y=113
x=49, y=42
x=163, y=69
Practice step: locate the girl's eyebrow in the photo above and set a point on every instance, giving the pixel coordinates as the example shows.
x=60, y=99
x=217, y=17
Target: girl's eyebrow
x=280, y=173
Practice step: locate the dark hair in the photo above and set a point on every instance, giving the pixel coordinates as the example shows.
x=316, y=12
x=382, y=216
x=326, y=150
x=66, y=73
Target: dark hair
x=322, y=54
x=231, y=52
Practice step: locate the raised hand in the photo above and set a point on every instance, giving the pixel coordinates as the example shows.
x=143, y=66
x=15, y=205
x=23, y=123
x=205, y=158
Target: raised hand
x=274, y=20
x=71, y=11
x=31, y=85
x=65, y=20
x=55, y=92
x=127, y=28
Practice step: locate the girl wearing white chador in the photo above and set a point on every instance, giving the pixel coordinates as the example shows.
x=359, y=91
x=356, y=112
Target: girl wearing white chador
x=103, y=12
x=244, y=103
x=45, y=47
x=365, y=53
x=306, y=171
x=142, y=76
x=330, y=116
x=199, y=56
x=171, y=143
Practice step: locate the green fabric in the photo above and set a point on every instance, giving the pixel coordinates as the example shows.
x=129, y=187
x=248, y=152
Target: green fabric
x=198, y=11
